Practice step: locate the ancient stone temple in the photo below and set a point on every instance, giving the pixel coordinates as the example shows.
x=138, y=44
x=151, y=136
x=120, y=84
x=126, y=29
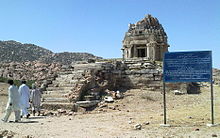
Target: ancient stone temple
x=145, y=39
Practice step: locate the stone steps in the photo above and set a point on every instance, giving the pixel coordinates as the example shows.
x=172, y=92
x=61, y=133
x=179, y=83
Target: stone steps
x=70, y=76
x=55, y=106
x=59, y=88
x=62, y=81
x=82, y=67
x=56, y=99
x=62, y=85
x=56, y=95
x=56, y=91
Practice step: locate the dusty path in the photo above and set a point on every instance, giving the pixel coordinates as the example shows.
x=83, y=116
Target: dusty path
x=188, y=115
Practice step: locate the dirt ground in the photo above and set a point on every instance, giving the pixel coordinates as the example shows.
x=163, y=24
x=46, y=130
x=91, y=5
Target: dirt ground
x=187, y=114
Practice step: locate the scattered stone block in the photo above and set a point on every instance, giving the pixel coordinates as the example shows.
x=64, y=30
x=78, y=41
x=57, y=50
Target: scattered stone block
x=138, y=127
x=108, y=99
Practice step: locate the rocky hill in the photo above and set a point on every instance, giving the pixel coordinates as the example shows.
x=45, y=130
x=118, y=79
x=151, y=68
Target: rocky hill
x=67, y=57
x=12, y=51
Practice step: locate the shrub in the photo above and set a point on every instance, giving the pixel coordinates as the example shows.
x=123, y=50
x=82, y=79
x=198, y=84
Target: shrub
x=17, y=82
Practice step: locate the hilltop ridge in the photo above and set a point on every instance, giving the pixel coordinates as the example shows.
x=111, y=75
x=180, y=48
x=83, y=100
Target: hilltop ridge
x=13, y=51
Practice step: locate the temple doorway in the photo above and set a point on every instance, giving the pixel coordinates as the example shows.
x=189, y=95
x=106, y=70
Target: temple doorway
x=141, y=52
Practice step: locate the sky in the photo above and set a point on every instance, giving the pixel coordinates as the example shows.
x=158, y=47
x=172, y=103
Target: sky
x=99, y=26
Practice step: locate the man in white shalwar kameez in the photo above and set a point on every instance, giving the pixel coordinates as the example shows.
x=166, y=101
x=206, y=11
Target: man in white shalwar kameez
x=25, y=98
x=13, y=102
x=35, y=99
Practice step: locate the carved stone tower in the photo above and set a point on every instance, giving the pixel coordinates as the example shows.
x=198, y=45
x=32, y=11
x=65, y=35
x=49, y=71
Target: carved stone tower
x=145, y=39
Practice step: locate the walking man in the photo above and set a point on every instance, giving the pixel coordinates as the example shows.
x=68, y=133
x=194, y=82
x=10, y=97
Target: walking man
x=25, y=98
x=13, y=102
x=35, y=99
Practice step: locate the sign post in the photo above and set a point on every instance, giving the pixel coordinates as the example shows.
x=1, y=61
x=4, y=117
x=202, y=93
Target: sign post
x=195, y=66
x=212, y=105
x=164, y=103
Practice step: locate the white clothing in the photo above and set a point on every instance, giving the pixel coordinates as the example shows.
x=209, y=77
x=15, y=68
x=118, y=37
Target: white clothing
x=8, y=113
x=13, y=99
x=24, y=112
x=25, y=95
x=35, y=99
x=13, y=104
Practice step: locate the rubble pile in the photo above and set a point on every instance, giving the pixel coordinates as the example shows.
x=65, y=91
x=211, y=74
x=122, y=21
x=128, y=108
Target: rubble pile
x=84, y=82
x=88, y=83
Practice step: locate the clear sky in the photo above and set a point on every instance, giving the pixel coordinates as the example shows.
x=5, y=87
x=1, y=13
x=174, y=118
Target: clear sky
x=98, y=26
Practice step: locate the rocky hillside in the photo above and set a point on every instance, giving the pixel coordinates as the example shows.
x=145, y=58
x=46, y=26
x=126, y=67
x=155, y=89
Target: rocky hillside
x=68, y=57
x=12, y=51
x=216, y=76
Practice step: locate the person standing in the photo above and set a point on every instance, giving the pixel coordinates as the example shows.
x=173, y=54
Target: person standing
x=13, y=102
x=35, y=100
x=25, y=98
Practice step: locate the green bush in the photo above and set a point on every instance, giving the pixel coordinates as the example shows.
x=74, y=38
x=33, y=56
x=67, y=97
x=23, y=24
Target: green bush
x=17, y=82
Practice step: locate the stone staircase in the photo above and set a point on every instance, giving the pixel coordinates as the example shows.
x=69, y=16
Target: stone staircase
x=55, y=94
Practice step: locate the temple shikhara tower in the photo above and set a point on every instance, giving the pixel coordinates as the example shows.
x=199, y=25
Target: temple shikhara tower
x=145, y=39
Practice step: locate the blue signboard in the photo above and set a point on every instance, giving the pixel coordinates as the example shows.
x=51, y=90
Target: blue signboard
x=187, y=66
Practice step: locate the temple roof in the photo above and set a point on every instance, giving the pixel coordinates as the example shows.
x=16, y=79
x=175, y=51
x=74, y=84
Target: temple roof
x=147, y=29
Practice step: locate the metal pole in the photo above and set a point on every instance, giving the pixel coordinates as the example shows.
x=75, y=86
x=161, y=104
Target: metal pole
x=212, y=103
x=164, y=103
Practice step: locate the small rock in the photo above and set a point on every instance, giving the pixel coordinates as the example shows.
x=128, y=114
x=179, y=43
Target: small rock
x=81, y=109
x=119, y=95
x=196, y=129
x=103, y=105
x=108, y=99
x=116, y=105
x=177, y=92
x=112, y=107
x=61, y=111
x=214, y=135
x=189, y=117
x=70, y=113
x=138, y=127
x=129, y=122
x=146, y=123
x=6, y=134
x=28, y=136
